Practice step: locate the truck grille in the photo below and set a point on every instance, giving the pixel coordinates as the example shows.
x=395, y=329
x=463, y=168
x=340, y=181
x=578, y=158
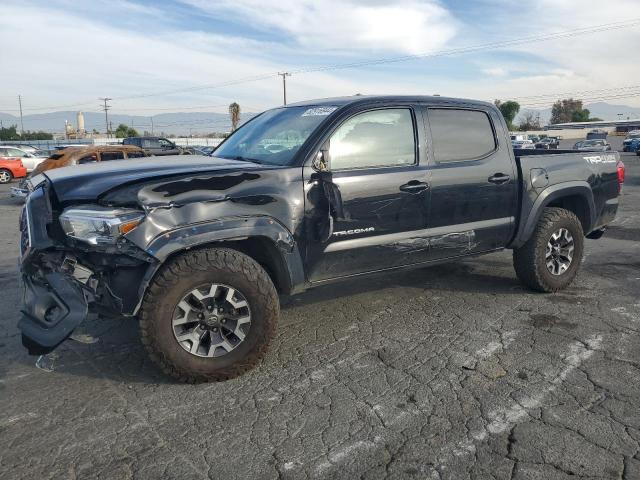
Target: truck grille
x=25, y=234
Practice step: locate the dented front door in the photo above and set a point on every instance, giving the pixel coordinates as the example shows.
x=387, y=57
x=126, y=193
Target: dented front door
x=369, y=212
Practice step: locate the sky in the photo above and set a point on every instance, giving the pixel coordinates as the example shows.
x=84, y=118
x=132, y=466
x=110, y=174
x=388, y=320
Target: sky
x=152, y=57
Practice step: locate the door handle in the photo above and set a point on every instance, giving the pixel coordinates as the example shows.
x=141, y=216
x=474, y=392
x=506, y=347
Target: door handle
x=414, y=186
x=499, y=178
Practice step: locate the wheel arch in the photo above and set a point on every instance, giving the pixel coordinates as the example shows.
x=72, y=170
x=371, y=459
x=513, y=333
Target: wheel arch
x=264, y=239
x=576, y=197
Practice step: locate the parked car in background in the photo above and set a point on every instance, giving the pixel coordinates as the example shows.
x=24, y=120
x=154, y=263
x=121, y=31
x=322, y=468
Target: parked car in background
x=29, y=160
x=208, y=150
x=630, y=140
x=597, y=134
x=80, y=156
x=547, y=143
x=523, y=144
x=11, y=168
x=156, y=145
x=26, y=148
x=633, y=145
x=594, y=145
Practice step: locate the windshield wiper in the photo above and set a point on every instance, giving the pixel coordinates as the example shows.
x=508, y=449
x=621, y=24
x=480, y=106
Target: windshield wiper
x=244, y=159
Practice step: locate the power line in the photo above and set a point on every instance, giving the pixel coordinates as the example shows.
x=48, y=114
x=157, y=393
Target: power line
x=382, y=61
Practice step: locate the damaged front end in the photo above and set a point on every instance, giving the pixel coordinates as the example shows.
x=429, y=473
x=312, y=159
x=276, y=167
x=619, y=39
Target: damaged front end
x=68, y=272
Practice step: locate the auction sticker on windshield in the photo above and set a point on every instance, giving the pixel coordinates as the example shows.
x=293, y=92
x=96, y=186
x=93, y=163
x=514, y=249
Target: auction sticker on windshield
x=318, y=111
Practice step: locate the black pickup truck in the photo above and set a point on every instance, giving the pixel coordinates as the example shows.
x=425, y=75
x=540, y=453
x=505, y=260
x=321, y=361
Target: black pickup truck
x=200, y=248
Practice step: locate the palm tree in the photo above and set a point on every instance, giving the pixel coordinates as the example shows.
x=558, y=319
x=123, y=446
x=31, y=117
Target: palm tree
x=234, y=113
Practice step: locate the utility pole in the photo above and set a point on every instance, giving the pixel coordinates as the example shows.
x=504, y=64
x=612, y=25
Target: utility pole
x=106, y=108
x=151, y=118
x=21, y=125
x=284, y=76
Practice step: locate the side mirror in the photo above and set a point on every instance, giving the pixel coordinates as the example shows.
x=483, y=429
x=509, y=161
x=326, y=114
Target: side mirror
x=322, y=161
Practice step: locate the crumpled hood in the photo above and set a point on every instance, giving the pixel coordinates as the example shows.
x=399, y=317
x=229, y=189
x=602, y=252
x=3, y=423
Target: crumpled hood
x=88, y=182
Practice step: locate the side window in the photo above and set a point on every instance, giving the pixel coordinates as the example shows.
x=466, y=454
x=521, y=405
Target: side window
x=135, y=154
x=88, y=159
x=14, y=152
x=149, y=143
x=165, y=143
x=380, y=138
x=459, y=135
x=106, y=156
x=4, y=152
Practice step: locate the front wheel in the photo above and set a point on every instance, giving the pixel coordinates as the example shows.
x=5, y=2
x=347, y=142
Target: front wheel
x=550, y=259
x=209, y=315
x=5, y=176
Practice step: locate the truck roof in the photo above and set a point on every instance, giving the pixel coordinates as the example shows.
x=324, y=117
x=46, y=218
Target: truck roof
x=356, y=99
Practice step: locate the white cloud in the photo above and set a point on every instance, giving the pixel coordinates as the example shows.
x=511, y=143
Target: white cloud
x=406, y=26
x=495, y=71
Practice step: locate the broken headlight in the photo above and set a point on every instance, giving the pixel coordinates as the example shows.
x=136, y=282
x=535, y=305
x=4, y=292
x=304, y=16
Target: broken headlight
x=99, y=225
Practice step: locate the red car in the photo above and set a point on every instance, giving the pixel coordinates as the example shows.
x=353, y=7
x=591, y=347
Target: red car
x=10, y=169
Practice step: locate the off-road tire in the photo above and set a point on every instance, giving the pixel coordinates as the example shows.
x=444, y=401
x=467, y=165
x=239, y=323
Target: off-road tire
x=186, y=272
x=529, y=260
x=7, y=175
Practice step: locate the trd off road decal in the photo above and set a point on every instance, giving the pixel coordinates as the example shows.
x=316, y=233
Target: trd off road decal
x=604, y=158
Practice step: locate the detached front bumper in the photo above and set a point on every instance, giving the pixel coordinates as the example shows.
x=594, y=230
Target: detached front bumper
x=54, y=303
x=53, y=308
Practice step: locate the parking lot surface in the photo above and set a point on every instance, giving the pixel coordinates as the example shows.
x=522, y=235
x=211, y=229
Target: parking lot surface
x=450, y=372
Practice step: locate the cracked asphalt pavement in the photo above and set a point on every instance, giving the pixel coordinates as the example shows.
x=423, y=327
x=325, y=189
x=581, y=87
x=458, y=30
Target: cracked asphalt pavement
x=450, y=372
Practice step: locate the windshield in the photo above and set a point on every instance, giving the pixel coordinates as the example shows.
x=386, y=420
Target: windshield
x=274, y=137
x=633, y=135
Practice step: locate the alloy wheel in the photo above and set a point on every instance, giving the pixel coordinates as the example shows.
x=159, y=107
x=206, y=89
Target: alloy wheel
x=559, y=251
x=211, y=320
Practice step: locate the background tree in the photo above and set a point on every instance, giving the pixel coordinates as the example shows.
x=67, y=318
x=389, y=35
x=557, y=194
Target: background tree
x=570, y=110
x=509, y=111
x=234, y=113
x=124, y=131
x=11, y=133
x=39, y=135
x=530, y=121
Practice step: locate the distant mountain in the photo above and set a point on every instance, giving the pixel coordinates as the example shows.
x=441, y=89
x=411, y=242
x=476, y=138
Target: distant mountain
x=603, y=110
x=186, y=123
x=177, y=123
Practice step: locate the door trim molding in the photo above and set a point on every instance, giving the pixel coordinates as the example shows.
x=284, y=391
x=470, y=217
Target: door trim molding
x=426, y=233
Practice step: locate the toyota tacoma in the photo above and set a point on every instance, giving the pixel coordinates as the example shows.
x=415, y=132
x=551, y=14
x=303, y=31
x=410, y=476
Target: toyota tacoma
x=200, y=248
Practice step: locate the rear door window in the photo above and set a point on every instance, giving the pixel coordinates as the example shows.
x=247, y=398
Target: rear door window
x=106, y=156
x=460, y=135
x=135, y=154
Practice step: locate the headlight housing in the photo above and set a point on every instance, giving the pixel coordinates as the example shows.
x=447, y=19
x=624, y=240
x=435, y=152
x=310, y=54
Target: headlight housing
x=98, y=225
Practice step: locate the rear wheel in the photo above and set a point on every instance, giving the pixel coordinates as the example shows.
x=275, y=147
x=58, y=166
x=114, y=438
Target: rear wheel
x=209, y=315
x=550, y=259
x=5, y=175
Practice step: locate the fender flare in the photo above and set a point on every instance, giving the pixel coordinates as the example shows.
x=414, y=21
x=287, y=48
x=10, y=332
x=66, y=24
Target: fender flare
x=197, y=235
x=548, y=195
